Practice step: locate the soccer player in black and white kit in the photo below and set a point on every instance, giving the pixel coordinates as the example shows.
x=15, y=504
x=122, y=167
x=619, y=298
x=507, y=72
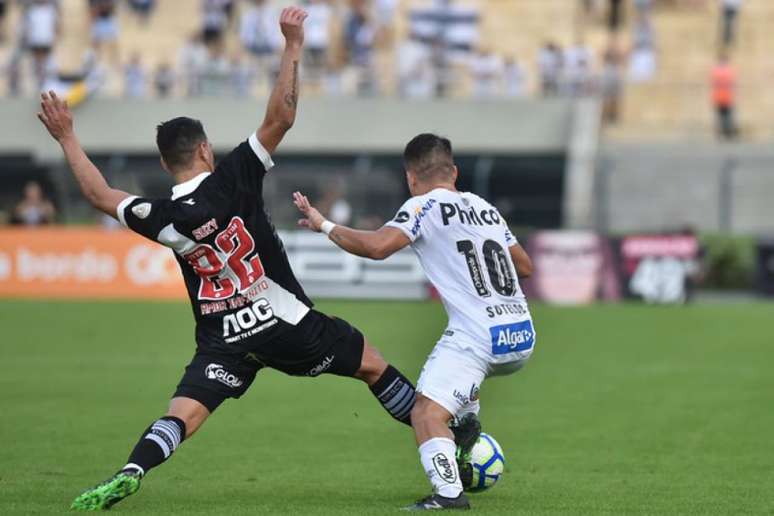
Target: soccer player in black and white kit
x=249, y=308
x=471, y=257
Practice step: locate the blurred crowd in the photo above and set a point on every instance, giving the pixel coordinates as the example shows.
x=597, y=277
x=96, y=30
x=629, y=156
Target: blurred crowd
x=440, y=55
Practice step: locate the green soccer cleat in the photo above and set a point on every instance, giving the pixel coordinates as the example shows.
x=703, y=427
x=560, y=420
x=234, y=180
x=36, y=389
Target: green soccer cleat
x=105, y=495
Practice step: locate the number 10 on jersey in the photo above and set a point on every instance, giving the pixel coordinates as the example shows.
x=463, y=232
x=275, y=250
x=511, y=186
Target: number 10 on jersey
x=498, y=266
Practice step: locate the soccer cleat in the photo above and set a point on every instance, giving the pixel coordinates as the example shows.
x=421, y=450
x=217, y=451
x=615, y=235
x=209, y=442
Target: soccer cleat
x=466, y=432
x=108, y=493
x=437, y=502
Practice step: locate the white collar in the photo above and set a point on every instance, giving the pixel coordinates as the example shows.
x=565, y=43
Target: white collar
x=189, y=186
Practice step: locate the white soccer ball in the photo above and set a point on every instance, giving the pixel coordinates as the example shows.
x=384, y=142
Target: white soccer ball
x=488, y=463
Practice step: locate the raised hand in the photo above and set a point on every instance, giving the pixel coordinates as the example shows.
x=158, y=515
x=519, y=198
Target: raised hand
x=56, y=116
x=313, y=218
x=292, y=25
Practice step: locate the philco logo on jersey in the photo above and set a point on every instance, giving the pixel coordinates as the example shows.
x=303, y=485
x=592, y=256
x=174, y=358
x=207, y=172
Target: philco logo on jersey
x=444, y=468
x=510, y=338
x=470, y=216
x=142, y=210
x=421, y=213
x=217, y=373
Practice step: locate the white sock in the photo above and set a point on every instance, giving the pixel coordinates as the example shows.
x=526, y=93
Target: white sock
x=439, y=460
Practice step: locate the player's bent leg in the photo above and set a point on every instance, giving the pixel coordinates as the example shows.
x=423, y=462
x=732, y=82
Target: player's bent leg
x=392, y=390
x=344, y=351
x=437, y=452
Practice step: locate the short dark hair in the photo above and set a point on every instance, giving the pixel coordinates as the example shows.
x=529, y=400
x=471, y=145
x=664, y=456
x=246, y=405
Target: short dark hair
x=177, y=140
x=429, y=156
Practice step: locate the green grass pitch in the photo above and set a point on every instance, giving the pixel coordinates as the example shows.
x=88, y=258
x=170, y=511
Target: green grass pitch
x=622, y=410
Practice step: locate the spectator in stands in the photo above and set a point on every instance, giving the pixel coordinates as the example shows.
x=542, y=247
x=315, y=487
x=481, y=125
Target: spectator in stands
x=359, y=33
x=3, y=8
x=164, y=80
x=241, y=76
x=317, y=37
x=615, y=15
x=642, y=58
x=192, y=58
x=384, y=21
x=40, y=30
x=416, y=75
x=550, y=68
x=260, y=37
x=214, y=20
x=729, y=15
x=215, y=74
x=34, y=209
x=135, y=81
x=611, y=85
x=143, y=9
x=577, y=62
x=723, y=78
x=104, y=28
x=643, y=7
x=515, y=78
x=486, y=68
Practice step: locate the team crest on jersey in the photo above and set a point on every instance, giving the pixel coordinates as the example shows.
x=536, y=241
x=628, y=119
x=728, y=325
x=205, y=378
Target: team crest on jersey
x=402, y=217
x=142, y=210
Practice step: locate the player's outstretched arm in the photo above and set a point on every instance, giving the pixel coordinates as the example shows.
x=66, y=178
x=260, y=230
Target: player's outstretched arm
x=521, y=261
x=281, y=110
x=376, y=245
x=58, y=119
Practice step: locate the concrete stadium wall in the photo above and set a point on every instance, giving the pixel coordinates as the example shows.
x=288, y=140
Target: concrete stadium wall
x=710, y=187
x=323, y=125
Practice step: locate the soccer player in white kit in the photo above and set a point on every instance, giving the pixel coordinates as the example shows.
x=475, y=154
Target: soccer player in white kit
x=473, y=260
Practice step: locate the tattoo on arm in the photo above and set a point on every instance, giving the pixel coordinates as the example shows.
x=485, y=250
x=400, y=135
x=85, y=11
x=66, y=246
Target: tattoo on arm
x=291, y=98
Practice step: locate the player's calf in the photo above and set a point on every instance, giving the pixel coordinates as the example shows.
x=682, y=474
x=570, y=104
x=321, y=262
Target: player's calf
x=392, y=390
x=437, y=451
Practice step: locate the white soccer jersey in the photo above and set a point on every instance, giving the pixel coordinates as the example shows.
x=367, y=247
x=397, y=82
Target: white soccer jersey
x=462, y=243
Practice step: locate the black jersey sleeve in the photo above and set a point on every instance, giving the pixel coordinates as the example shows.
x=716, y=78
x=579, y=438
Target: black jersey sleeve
x=144, y=216
x=245, y=167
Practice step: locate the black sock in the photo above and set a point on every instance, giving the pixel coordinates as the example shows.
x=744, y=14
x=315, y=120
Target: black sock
x=396, y=394
x=157, y=444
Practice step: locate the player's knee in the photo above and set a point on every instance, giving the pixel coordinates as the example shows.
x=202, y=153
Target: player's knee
x=192, y=413
x=426, y=410
x=372, y=365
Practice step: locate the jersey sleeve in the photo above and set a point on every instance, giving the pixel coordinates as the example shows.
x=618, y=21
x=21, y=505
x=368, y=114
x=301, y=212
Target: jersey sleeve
x=144, y=216
x=245, y=167
x=409, y=219
x=509, y=238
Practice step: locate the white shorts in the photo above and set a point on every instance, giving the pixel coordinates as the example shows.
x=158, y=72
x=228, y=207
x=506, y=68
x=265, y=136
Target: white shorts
x=453, y=373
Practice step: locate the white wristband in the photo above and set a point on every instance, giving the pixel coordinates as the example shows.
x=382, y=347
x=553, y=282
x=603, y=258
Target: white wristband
x=327, y=226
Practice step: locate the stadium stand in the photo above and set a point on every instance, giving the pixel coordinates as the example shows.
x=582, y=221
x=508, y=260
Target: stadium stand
x=685, y=34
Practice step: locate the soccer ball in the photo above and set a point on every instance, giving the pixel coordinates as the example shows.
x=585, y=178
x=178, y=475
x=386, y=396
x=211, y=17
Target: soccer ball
x=488, y=463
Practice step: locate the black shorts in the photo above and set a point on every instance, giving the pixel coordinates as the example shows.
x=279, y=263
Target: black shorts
x=318, y=344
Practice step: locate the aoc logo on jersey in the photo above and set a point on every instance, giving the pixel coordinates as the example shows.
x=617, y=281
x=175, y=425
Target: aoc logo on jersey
x=469, y=216
x=217, y=373
x=510, y=338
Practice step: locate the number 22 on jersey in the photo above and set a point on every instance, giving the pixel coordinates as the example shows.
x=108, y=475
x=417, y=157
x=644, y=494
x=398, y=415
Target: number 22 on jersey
x=219, y=270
